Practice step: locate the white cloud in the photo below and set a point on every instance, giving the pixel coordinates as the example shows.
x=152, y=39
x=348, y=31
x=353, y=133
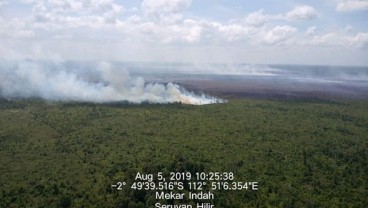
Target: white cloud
x=183, y=31
x=14, y=29
x=339, y=38
x=311, y=30
x=170, y=19
x=61, y=5
x=301, y=13
x=3, y=2
x=279, y=34
x=60, y=14
x=328, y=39
x=99, y=29
x=180, y=33
x=352, y=5
x=257, y=18
x=360, y=40
x=165, y=6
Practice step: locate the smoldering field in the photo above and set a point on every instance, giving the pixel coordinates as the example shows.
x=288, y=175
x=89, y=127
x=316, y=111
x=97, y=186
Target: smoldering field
x=195, y=84
x=97, y=82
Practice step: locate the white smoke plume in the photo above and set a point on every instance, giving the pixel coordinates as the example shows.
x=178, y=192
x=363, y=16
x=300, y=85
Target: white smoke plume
x=104, y=83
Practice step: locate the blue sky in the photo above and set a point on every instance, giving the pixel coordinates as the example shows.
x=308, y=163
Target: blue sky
x=326, y=32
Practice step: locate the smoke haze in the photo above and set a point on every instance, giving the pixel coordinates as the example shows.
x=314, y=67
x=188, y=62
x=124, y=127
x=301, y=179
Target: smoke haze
x=103, y=83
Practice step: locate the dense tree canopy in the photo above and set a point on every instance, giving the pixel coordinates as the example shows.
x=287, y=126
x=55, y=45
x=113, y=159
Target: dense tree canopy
x=302, y=153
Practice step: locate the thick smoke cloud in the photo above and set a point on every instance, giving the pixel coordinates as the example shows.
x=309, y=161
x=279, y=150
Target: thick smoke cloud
x=103, y=83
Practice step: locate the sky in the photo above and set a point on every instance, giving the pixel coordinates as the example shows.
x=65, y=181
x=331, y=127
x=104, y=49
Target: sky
x=315, y=32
